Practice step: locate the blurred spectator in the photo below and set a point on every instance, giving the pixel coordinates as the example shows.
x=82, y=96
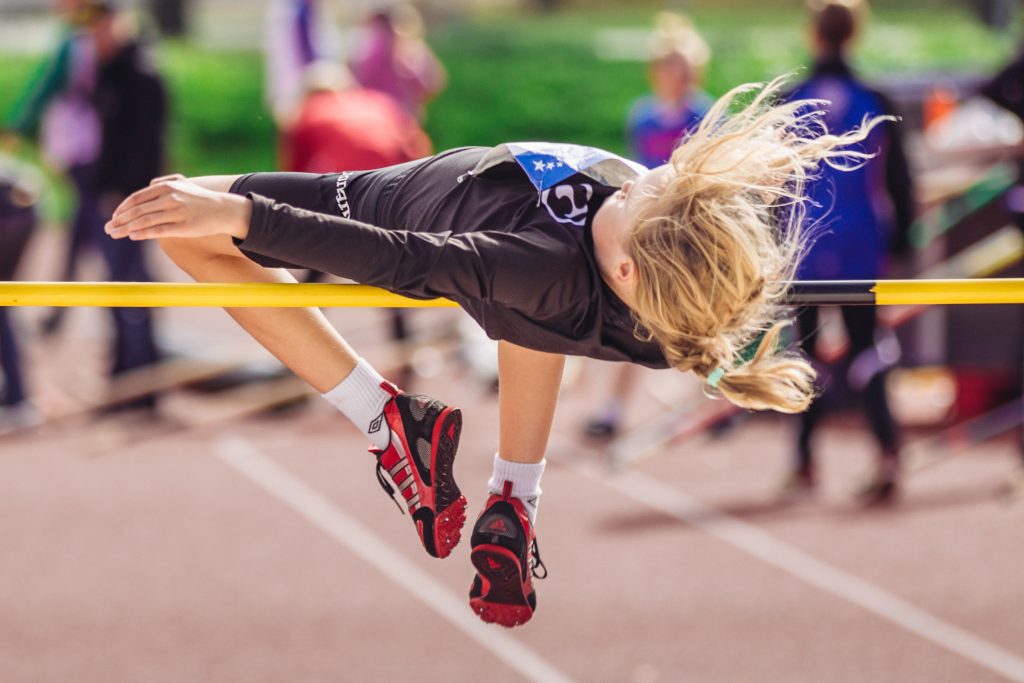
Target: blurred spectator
x=1006, y=89
x=655, y=125
x=171, y=16
x=298, y=33
x=341, y=126
x=61, y=99
x=19, y=191
x=676, y=104
x=860, y=218
x=395, y=59
x=131, y=102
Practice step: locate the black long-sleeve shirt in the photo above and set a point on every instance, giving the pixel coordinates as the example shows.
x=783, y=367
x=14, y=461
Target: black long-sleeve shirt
x=520, y=260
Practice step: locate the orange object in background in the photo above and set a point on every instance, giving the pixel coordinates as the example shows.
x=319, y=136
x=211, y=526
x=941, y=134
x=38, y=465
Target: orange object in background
x=939, y=104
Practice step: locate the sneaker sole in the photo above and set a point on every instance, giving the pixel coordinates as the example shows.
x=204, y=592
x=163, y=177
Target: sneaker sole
x=502, y=600
x=441, y=531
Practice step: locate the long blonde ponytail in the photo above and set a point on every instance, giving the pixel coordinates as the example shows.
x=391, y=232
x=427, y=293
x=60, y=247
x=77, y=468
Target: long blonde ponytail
x=714, y=248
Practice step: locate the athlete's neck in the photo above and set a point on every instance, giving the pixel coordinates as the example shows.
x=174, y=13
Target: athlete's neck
x=625, y=292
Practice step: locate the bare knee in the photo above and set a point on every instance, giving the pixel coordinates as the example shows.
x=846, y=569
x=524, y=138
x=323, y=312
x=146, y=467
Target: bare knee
x=181, y=250
x=189, y=252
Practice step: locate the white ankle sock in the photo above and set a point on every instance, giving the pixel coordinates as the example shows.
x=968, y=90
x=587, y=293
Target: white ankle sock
x=361, y=399
x=525, y=478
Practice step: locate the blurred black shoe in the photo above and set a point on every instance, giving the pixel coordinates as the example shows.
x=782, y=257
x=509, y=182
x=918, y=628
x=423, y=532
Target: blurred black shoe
x=798, y=486
x=1013, y=488
x=52, y=323
x=882, y=490
x=601, y=428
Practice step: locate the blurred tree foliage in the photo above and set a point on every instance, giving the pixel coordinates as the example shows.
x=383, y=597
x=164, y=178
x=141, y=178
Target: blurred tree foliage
x=537, y=76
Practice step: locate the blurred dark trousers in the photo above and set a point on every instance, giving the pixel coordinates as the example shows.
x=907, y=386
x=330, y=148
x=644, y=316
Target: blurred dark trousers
x=860, y=329
x=87, y=224
x=134, y=340
x=16, y=225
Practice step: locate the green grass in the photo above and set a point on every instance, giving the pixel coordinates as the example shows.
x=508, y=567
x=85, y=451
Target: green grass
x=536, y=77
x=218, y=121
x=529, y=77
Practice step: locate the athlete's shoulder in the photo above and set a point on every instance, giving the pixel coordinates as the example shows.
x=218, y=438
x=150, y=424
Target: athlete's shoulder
x=458, y=153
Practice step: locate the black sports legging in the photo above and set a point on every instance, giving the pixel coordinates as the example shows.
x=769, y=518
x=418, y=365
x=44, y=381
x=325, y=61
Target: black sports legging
x=860, y=329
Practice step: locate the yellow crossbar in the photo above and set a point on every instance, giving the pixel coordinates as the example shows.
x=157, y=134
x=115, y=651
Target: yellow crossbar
x=923, y=292
x=234, y=295
x=265, y=295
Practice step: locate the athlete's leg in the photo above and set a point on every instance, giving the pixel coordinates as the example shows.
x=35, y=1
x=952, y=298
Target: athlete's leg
x=504, y=544
x=528, y=382
x=399, y=425
x=300, y=337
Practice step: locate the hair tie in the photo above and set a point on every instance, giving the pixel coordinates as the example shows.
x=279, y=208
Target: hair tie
x=715, y=376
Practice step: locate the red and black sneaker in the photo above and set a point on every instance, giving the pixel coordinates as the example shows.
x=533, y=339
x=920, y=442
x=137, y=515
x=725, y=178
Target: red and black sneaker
x=418, y=461
x=507, y=560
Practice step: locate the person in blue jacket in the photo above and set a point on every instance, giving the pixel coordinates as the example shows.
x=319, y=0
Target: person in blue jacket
x=862, y=218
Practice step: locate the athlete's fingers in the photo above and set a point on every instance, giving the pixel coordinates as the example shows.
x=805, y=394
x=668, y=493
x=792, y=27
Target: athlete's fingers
x=152, y=232
x=167, y=178
x=157, y=232
x=164, y=203
x=147, y=194
x=168, y=216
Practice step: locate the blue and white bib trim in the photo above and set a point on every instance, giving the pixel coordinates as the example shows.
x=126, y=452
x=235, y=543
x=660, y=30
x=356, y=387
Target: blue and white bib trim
x=546, y=164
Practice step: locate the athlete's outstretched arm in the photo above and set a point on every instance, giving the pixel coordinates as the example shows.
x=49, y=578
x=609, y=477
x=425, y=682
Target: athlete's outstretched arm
x=300, y=337
x=529, y=271
x=528, y=384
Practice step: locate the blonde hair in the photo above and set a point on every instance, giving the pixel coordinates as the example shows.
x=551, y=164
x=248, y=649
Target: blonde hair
x=675, y=35
x=714, y=249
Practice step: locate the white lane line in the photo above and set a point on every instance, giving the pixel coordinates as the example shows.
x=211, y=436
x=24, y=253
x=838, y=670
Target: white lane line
x=321, y=513
x=790, y=559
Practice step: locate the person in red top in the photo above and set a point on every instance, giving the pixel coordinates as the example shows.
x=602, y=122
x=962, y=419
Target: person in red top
x=343, y=126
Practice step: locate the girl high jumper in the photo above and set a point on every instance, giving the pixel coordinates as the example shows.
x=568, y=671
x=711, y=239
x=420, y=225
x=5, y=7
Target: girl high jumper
x=553, y=250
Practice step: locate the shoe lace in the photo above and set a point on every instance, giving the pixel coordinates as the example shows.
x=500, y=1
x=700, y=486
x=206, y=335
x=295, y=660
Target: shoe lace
x=537, y=567
x=388, y=488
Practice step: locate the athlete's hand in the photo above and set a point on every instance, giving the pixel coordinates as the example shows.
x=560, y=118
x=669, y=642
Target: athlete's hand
x=173, y=206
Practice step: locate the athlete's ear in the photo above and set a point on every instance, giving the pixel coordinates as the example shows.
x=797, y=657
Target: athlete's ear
x=625, y=271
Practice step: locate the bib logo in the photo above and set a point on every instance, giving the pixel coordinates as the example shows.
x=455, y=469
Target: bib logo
x=568, y=203
x=342, y=196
